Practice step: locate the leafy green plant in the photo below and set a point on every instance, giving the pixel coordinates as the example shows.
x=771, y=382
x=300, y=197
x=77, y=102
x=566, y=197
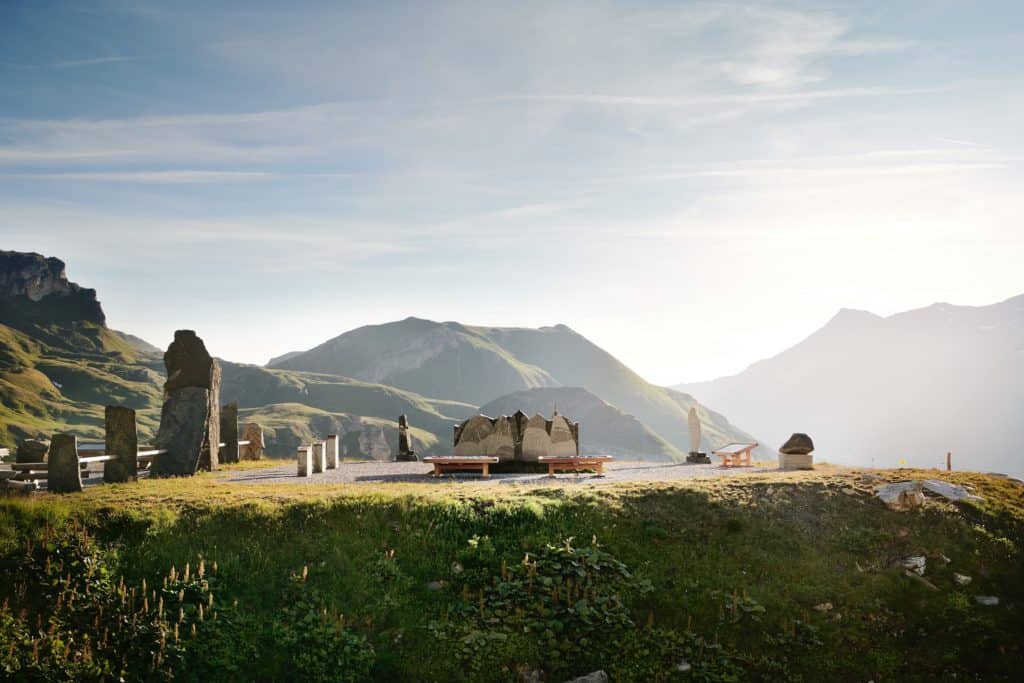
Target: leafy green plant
x=319, y=646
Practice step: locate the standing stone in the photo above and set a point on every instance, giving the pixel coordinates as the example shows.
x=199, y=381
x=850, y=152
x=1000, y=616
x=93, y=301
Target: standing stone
x=405, y=451
x=332, y=451
x=254, y=435
x=519, y=420
x=473, y=435
x=695, y=455
x=305, y=461
x=32, y=450
x=184, y=422
x=64, y=475
x=190, y=419
x=500, y=441
x=319, y=457
x=121, y=440
x=229, y=433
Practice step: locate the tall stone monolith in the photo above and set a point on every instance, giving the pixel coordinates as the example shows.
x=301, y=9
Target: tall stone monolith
x=695, y=455
x=254, y=435
x=121, y=440
x=190, y=419
x=229, y=433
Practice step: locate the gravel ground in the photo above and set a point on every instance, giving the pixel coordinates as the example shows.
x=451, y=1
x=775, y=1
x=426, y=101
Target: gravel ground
x=417, y=472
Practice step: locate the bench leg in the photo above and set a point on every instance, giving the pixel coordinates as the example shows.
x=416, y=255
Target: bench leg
x=437, y=470
x=551, y=469
x=600, y=469
x=485, y=470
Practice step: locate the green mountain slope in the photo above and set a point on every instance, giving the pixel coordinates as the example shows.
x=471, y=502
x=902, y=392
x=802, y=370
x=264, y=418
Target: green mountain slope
x=478, y=364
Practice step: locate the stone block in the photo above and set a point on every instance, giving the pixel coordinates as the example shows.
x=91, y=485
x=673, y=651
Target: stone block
x=184, y=424
x=121, y=440
x=331, y=446
x=64, y=475
x=794, y=461
x=254, y=435
x=229, y=433
x=305, y=461
x=319, y=457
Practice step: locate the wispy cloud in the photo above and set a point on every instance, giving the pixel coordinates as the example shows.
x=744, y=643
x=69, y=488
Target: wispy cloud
x=158, y=177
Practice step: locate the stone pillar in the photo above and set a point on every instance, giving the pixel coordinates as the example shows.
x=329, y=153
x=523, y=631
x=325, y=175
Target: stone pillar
x=319, y=457
x=305, y=456
x=190, y=419
x=332, y=451
x=405, y=451
x=254, y=435
x=64, y=475
x=229, y=433
x=122, y=440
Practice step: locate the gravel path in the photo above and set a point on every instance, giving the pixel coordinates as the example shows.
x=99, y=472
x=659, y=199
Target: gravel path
x=419, y=473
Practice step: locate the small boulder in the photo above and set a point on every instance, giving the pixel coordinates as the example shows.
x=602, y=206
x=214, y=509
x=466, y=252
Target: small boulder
x=798, y=444
x=986, y=600
x=961, y=579
x=915, y=563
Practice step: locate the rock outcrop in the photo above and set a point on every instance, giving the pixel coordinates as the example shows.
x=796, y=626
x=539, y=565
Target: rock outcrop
x=33, y=286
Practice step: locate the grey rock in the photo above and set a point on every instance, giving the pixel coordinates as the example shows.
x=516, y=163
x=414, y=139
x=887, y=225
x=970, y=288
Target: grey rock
x=797, y=444
x=592, y=677
x=254, y=435
x=405, y=450
x=64, y=475
x=961, y=579
x=986, y=600
x=188, y=363
x=121, y=439
x=32, y=450
x=184, y=429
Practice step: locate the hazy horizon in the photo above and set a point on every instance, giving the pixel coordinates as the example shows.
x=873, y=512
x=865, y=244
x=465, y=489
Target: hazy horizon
x=693, y=187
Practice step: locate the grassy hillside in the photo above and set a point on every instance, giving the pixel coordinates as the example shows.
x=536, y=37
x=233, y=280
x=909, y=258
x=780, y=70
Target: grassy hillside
x=479, y=364
x=767, y=577
x=603, y=427
x=59, y=378
x=435, y=359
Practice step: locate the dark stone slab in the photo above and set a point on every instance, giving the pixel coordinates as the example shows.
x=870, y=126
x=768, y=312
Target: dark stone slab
x=184, y=427
x=32, y=450
x=229, y=433
x=122, y=440
x=698, y=457
x=798, y=444
x=64, y=475
x=188, y=363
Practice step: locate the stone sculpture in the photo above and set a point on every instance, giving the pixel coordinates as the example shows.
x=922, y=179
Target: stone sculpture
x=32, y=450
x=695, y=455
x=64, y=475
x=190, y=419
x=405, y=451
x=516, y=437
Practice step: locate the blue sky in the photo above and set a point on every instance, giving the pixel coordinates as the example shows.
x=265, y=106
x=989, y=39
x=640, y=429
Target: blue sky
x=694, y=186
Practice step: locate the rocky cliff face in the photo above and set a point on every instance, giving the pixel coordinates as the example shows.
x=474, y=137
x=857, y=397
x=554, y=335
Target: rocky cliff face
x=35, y=287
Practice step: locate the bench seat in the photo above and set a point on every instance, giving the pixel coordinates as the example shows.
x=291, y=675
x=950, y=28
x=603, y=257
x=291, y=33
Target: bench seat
x=574, y=463
x=452, y=463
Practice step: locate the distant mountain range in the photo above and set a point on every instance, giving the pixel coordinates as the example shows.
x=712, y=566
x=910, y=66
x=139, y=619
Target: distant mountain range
x=910, y=386
x=479, y=364
x=60, y=364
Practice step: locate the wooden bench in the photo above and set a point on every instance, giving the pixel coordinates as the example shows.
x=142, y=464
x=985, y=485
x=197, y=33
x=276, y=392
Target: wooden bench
x=452, y=463
x=735, y=454
x=574, y=463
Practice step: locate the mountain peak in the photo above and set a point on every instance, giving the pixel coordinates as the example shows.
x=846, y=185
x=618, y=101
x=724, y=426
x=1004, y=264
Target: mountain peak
x=34, y=287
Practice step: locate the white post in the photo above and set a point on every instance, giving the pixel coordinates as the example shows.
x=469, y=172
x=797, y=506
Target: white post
x=319, y=457
x=305, y=455
x=332, y=451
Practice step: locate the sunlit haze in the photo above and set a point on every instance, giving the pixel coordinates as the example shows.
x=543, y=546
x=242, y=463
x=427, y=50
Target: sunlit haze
x=692, y=186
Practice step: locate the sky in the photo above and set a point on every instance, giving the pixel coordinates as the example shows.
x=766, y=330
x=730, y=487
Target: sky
x=692, y=185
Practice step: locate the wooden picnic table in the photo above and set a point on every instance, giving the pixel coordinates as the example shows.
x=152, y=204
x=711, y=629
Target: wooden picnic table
x=451, y=463
x=735, y=454
x=574, y=463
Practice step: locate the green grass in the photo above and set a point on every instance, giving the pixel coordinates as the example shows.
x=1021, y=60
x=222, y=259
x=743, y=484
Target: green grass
x=740, y=562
